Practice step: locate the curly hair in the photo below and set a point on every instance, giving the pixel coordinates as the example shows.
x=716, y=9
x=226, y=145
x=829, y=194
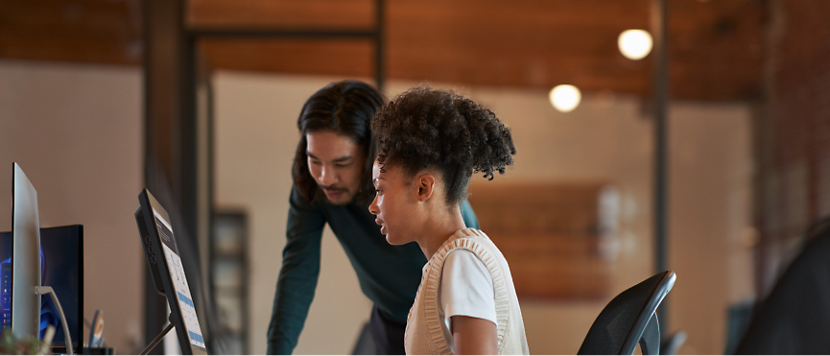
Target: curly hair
x=429, y=128
x=346, y=108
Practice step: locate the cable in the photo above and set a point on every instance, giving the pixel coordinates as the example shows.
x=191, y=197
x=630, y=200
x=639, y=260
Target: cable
x=66, y=336
x=156, y=341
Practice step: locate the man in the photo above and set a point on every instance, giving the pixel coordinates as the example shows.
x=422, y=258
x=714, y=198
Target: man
x=332, y=185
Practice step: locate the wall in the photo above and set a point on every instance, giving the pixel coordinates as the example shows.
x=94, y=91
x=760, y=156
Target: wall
x=76, y=132
x=610, y=139
x=255, y=140
x=607, y=139
x=710, y=220
x=793, y=130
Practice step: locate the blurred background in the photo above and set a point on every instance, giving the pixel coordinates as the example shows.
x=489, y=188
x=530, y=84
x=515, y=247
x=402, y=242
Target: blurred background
x=710, y=160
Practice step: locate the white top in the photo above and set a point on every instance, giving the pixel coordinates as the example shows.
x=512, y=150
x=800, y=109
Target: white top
x=424, y=335
x=466, y=289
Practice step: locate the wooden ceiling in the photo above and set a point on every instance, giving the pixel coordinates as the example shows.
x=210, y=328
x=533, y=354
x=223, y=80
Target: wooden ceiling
x=716, y=46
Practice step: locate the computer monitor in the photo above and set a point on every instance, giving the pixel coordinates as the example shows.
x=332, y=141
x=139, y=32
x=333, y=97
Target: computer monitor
x=156, y=233
x=62, y=251
x=25, y=270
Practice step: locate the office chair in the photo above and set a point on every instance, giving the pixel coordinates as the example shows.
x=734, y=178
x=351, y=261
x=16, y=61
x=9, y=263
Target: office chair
x=629, y=319
x=795, y=318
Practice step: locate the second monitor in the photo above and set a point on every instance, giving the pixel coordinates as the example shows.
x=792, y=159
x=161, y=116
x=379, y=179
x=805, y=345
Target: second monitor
x=165, y=265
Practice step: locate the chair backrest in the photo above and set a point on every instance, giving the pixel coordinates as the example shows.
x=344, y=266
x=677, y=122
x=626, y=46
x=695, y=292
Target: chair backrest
x=630, y=319
x=794, y=319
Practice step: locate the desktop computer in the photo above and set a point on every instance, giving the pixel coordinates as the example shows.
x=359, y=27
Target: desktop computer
x=27, y=267
x=61, y=251
x=25, y=270
x=162, y=252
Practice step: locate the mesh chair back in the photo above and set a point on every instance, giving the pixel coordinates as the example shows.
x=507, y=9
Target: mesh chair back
x=628, y=319
x=794, y=319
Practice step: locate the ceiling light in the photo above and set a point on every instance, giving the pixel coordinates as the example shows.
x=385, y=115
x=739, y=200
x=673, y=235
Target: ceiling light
x=634, y=44
x=565, y=97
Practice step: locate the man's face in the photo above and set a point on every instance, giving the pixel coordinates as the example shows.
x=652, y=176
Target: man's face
x=395, y=205
x=336, y=163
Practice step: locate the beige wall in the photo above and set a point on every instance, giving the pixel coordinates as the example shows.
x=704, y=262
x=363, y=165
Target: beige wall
x=76, y=132
x=606, y=139
x=710, y=220
x=255, y=137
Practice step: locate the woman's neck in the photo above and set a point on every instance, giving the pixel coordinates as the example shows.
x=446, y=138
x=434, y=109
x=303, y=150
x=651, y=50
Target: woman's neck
x=438, y=229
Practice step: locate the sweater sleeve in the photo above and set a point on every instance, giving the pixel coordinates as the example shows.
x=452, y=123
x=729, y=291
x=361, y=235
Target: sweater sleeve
x=298, y=275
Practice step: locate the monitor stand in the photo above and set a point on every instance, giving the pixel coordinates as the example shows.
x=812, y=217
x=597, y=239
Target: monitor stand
x=158, y=338
x=68, y=338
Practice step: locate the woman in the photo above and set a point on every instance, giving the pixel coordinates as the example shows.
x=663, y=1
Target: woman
x=430, y=143
x=332, y=186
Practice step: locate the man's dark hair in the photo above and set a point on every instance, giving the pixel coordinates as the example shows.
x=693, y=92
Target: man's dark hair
x=345, y=108
x=428, y=128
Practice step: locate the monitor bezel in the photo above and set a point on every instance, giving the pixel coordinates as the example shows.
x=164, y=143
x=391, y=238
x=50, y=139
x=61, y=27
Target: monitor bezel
x=148, y=205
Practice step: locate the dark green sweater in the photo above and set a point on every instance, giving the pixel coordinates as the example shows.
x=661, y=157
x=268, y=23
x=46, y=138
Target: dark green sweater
x=389, y=275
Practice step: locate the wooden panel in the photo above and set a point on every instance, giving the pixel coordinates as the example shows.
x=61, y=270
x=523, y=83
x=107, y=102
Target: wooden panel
x=281, y=13
x=550, y=234
x=716, y=49
x=348, y=58
x=714, y=53
x=77, y=31
x=523, y=43
x=715, y=46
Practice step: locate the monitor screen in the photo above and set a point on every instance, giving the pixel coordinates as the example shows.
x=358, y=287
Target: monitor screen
x=168, y=273
x=177, y=276
x=62, y=269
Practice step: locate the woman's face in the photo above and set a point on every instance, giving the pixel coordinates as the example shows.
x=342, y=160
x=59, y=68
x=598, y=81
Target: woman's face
x=395, y=205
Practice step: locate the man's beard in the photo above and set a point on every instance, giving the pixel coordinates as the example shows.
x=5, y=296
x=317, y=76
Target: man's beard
x=337, y=195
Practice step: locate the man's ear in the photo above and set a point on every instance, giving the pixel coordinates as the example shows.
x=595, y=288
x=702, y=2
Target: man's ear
x=426, y=186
